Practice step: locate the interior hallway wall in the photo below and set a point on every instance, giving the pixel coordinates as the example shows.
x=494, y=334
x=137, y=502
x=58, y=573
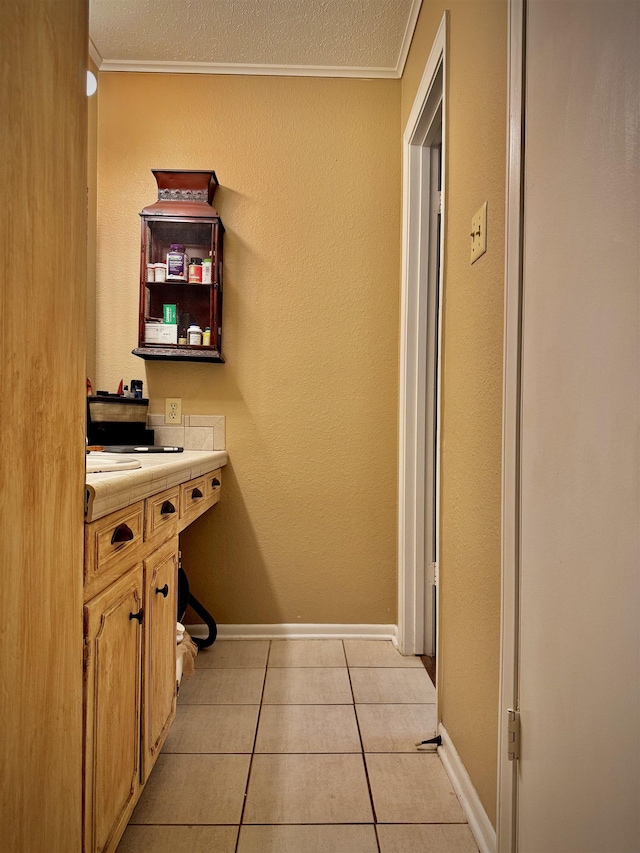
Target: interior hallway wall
x=469, y=648
x=310, y=198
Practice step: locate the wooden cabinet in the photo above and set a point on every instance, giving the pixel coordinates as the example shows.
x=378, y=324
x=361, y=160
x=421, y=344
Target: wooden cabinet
x=130, y=660
x=113, y=648
x=182, y=216
x=130, y=595
x=159, y=653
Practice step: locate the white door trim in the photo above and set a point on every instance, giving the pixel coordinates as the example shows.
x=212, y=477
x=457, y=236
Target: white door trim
x=506, y=820
x=428, y=108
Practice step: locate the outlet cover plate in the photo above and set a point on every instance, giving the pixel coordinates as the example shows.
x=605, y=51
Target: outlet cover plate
x=479, y=233
x=173, y=411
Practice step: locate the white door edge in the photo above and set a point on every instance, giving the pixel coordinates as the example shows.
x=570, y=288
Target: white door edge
x=506, y=818
x=429, y=105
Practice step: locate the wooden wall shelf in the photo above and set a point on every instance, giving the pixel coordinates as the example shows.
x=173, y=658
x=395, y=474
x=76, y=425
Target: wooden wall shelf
x=182, y=215
x=156, y=353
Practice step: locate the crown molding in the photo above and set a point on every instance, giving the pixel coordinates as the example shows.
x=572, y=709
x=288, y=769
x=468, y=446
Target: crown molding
x=266, y=70
x=246, y=70
x=94, y=53
x=412, y=20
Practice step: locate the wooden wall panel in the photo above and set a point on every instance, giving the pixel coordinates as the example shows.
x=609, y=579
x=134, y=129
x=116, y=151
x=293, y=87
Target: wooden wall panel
x=43, y=150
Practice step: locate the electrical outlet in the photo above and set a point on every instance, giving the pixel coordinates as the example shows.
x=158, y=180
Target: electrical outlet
x=173, y=410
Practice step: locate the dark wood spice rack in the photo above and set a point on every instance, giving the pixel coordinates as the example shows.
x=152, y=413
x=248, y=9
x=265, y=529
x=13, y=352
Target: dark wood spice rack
x=183, y=214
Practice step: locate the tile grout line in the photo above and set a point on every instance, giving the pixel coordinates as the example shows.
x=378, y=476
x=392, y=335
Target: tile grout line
x=253, y=750
x=364, y=761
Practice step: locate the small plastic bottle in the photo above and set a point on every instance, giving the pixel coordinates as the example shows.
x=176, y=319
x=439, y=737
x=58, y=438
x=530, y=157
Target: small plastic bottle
x=206, y=337
x=176, y=263
x=195, y=270
x=194, y=336
x=207, y=265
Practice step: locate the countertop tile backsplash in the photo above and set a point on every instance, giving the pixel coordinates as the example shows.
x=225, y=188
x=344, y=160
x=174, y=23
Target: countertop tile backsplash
x=197, y=432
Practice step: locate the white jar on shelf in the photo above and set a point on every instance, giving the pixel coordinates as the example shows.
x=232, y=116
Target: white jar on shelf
x=194, y=336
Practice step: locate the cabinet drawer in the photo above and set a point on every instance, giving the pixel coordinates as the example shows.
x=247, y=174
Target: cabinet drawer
x=111, y=544
x=161, y=514
x=192, y=496
x=197, y=496
x=212, y=486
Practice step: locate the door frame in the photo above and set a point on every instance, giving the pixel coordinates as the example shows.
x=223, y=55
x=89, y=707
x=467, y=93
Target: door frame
x=417, y=433
x=506, y=819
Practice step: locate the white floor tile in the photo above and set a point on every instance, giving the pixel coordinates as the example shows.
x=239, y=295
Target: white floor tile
x=271, y=727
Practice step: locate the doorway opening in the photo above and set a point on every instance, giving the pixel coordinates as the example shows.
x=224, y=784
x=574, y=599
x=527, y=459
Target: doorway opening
x=432, y=434
x=422, y=281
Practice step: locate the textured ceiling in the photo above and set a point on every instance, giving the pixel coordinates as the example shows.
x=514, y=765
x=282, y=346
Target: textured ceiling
x=321, y=37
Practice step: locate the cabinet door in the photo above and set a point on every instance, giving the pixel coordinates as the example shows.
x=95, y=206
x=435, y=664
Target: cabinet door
x=113, y=644
x=159, y=696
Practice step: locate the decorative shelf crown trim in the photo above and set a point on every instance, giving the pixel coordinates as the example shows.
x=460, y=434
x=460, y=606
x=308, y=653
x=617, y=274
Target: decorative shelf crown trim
x=182, y=195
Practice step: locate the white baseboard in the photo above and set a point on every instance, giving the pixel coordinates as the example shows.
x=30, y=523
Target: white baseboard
x=308, y=631
x=479, y=823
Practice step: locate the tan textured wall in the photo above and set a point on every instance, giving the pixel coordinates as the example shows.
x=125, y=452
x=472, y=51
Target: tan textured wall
x=310, y=197
x=472, y=374
x=43, y=140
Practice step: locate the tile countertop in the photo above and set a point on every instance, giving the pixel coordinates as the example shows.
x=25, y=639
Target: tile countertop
x=109, y=491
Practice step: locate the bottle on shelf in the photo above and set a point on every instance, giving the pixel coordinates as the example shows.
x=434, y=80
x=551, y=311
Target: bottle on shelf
x=176, y=263
x=194, y=335
x=195, y=271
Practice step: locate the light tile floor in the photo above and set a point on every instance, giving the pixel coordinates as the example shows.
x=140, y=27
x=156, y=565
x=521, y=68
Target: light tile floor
x=300, y=746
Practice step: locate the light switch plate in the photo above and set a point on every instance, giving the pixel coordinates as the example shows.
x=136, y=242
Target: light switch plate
x=479, y=233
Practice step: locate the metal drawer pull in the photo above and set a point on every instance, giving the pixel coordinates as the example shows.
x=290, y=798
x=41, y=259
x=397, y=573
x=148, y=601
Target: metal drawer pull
x=196, y=493
x=163, y=591
x=122, y=533
x=215, y=483
x=167, y=508
x=139, y=615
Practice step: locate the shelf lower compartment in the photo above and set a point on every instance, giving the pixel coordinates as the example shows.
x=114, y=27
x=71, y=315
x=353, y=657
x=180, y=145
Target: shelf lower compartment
x=178, y=353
